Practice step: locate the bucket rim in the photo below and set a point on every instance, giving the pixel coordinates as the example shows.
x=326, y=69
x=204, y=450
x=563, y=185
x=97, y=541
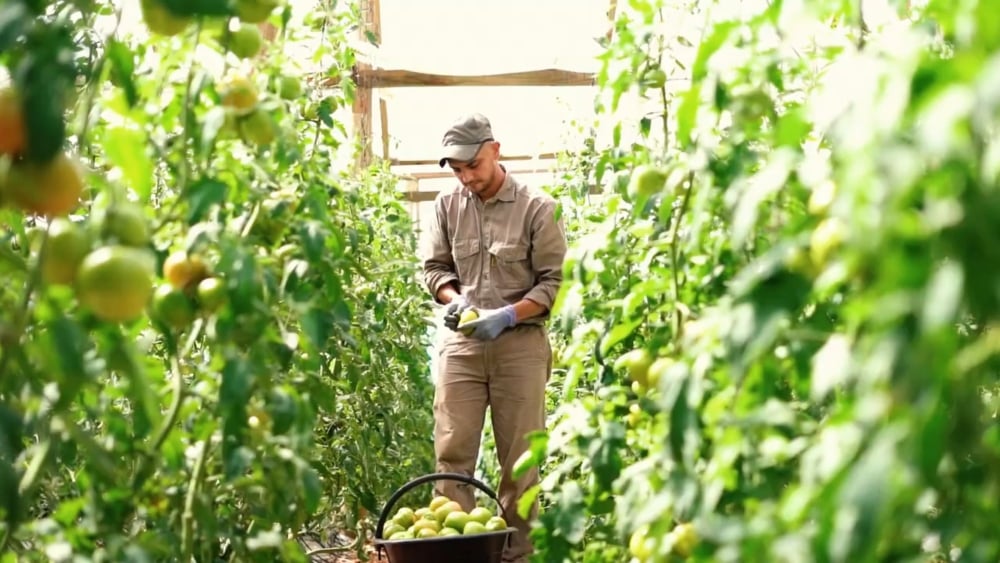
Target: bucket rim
x=391, y=503
x=424, y=541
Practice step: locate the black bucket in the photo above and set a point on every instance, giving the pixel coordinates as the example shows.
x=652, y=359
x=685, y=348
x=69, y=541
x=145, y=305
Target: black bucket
x=478, y=548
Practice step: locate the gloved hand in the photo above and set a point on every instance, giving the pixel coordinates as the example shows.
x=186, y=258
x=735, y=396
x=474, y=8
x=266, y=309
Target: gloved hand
x=491, y=323
x=454, y=310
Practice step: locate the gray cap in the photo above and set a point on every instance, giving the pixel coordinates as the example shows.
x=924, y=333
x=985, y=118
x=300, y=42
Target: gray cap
x=464, y=137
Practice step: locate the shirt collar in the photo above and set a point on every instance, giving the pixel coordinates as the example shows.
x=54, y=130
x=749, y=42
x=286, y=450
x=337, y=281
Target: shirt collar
x=507, y=190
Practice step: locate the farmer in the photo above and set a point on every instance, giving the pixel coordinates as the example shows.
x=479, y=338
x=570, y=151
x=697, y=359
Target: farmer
x=495, y=246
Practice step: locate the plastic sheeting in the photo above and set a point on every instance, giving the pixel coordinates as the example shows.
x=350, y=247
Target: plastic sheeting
x=486, y=36
x=474, y=37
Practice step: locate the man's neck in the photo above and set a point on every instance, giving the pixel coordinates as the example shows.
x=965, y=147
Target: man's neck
x=495, y=188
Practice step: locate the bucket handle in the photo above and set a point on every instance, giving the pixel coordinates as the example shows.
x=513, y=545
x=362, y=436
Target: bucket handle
x=427, y=478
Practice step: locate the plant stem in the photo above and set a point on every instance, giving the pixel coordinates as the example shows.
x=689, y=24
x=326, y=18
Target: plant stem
x=185, y=171
x=674, y=252
x=168, y=423
x=175, y=406
x=187, y=519
x=23, y=311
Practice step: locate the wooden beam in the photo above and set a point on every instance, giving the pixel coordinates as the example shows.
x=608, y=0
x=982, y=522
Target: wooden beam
x=392, y=78
x=420, y=162
x=423, y=196
x=446, y=174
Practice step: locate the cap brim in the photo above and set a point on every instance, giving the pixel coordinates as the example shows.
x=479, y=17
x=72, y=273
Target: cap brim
x=461, y=153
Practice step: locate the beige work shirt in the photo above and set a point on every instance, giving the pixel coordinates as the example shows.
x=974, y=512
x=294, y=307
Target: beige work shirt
x=499, y=251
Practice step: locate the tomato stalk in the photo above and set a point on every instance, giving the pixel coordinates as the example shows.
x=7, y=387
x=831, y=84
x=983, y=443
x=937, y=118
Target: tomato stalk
x=27, y=483
x=185, y=170
x=187, y=519
x=175, y=406
x=24, y=310
x=95, y=87
x=674, y=253
x=168, y=423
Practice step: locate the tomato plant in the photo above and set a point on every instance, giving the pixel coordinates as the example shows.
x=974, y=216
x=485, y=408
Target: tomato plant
x=212, y=336
x=806, y=302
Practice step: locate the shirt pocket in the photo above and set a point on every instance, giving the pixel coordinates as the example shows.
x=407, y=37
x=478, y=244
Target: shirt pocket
x=465, y=253
x=511, y=265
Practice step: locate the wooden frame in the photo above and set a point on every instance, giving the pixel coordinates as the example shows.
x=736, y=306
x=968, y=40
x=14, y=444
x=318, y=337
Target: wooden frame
x=367, y=78
x=371, y=77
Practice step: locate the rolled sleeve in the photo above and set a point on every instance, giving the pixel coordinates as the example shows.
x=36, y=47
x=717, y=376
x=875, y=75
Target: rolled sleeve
x=547, y=255
x=436, y=260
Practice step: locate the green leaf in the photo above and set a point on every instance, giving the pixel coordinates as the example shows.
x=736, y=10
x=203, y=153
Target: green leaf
x=944, y=297
x=42, y=89
x=14, y=17
x=687, y=115
x=719, y=34
x=236, y=383
x=126, y=148
x=312, y=489
x=316, y=324
x=202, y=195
x=10, y=498
x=69, y=344
x=570, y=520
x=122, y=61
x=618, y=333
x=792, y=128
x=11, y=433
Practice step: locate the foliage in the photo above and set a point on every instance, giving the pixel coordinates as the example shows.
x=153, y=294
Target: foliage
x=810, y=289
x=205, y=423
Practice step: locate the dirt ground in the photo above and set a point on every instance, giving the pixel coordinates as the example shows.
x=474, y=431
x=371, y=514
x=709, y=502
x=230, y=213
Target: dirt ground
x=341, y=550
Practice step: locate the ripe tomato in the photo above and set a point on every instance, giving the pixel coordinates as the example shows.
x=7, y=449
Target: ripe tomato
x=51, y=189
x=12, y=135
x=239, y=94
x=182, y=270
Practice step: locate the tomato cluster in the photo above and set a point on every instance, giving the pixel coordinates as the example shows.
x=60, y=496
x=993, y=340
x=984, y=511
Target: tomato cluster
x=108, y=262
x=50, y=187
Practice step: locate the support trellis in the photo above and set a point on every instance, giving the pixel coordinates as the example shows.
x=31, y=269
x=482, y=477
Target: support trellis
x=368, y=78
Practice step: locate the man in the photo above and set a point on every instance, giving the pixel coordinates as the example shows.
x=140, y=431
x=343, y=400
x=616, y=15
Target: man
x=495, y=246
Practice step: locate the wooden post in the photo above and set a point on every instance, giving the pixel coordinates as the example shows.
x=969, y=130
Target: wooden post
x=383, y=113
x=370, y=25
x=612, y=16
x=363, y=118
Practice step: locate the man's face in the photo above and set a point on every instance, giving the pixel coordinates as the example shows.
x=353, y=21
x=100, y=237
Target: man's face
x=478, y=174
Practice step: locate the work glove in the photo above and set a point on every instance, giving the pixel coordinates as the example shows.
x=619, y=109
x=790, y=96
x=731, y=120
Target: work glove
x=454, y=310
x=491, y=323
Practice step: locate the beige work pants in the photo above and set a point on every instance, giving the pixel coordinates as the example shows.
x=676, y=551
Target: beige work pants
x=509, y=374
